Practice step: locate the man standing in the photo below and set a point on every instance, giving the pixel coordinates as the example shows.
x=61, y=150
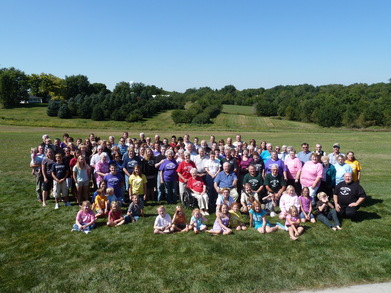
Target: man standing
x=305, y=155
x=348, y=196
x=333, y=157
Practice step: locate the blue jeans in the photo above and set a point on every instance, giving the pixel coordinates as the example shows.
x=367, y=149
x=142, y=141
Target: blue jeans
x=89, y=228
x=171, y=191
x=160, y=188
x=325, y=219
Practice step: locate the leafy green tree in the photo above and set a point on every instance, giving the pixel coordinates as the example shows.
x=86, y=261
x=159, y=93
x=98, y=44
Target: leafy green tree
x=46, y=86
x=97, y=88
x=76, y=84
x=135, y=116
x=13, y=87
x=202, y=118
x=181, y=116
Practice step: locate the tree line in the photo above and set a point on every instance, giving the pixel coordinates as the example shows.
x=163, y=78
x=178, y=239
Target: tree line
x=356, y=105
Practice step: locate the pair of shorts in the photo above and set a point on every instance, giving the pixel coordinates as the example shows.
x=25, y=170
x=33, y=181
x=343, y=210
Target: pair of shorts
x=303, y=217
x=259, y=225
x=82, y=183
x=181, y=226
x=47, y=186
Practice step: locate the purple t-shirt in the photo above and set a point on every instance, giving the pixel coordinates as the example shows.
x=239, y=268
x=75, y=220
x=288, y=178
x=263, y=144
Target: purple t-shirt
x=114, y=181
x=280, y=163
x=169, y=170
x=305, y=202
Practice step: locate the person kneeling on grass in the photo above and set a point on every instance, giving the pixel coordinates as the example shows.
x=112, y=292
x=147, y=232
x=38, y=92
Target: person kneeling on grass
x=326, y=212
x=135, y=210
x=115, y=215
x=221, y=223
x=293, y=223
x=163, y=223
x=196, y=221
x=101, y=204
x=85, y=218
x=258, y=220
x=235, y=219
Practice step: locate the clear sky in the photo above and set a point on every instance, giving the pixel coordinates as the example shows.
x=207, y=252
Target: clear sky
x=185, y=44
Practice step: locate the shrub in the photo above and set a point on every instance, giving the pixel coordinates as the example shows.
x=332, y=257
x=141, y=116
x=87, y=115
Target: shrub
x=64, y=112
x=181, y=116
x=98, y=113
x=53, y=108
x=201, y=118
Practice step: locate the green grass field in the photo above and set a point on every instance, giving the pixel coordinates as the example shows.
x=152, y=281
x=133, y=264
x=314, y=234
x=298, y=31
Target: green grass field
x=38, y=253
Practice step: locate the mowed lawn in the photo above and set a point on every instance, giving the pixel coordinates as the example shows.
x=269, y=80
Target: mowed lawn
x=38, y=253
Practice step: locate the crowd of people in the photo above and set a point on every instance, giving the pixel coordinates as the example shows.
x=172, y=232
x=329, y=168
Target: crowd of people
x=225, y=176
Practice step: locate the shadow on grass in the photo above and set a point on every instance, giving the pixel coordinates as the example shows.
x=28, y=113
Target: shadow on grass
x=370, y=201
x=363, y=215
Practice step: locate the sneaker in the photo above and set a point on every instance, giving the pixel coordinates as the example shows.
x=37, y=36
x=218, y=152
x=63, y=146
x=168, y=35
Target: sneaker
x=203, y=213
x=73, y=230
x=67, y=204
x=272, y=214
x=206, y=214
x=282, y=226
x=87, y=231
x=56, y=206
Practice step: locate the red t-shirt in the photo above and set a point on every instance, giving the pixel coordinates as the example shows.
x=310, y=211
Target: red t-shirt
x=184, y=169
x=196, y=184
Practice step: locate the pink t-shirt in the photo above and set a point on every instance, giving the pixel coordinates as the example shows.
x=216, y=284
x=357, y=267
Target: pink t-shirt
x=293, y=219
x=85, y=218
x=293, y=166
x=310, y=172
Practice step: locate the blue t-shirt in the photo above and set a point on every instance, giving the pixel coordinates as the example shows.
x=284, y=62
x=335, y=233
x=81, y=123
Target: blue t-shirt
x=257, y=218
x=130, y=163
x=59, y=170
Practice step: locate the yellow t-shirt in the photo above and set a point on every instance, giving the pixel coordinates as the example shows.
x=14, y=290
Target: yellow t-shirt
x=356, y=166
x=235, y=219
x=137, y=183
x=100, y=201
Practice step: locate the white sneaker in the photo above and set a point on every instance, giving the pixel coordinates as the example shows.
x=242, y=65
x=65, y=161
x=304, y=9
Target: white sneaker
x=56, y=206
x=272, y=214
x=87, y=231
x=206, y=214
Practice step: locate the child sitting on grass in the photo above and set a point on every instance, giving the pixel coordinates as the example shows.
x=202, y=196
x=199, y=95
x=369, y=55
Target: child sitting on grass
x=236, y=219
x=85, y=218
x=111, y=196
x=197, y=221
x=258, y=220
x=163, y=222
x=135, y=210
x=293, y=223
x=115, y=215
x=326, y=212
x=247, y=198
x=306, y=206
x=270, y=203
x=221, y=223
x=100, y=205
x=179, y=221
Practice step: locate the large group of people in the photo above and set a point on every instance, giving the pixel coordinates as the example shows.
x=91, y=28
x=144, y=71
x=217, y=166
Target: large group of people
x=225, y=176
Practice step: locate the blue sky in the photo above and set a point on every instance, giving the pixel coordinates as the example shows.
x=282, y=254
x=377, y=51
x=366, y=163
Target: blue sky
x=183, y=44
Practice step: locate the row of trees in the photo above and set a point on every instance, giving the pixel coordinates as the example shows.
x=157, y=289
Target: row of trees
x=356, y=105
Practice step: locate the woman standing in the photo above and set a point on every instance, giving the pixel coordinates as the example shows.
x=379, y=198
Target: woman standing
x=355, y=165
x=312, y=174
x=169, y=176
x=81, y=175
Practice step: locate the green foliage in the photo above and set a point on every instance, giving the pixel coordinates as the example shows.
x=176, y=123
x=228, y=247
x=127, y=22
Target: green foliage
x=46, y=86
x=64, y=112
x=98, y=113
x=13, y=87
x=75, y=85
x=53, y=107
x=202, y=118
x=181, y=116
x=135, y=116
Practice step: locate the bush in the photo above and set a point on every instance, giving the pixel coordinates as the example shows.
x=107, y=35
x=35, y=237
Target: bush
x=53, y=108
x=64, y=112
x=181, y=116
x=135, y=116
x=201, y=118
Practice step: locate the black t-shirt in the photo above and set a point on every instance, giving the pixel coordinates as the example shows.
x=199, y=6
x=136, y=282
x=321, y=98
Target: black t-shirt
x=348, y=193
x=59, y=170
x=274, y=182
